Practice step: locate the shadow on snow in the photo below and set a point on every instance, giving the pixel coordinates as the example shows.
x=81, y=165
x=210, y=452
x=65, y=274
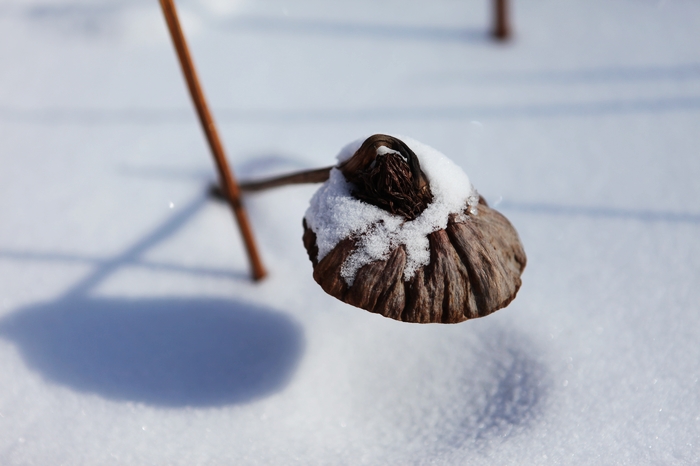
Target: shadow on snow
x=167, y=352
x=504, y=393
x=647, y=216
x=161, y=351
x=162, y=116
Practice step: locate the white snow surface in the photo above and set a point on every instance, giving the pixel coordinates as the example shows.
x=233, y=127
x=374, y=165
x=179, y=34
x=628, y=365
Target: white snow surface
x=131, y=333
x=334, y=214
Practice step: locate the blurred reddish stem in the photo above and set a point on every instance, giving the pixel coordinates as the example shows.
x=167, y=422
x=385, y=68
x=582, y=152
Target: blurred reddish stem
x=501, y=22
x=228, y=182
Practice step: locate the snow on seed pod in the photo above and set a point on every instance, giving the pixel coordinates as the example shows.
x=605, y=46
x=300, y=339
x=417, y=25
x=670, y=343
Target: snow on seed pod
x=399, y=230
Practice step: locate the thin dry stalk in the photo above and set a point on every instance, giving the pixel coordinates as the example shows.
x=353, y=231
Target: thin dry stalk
x=318, y=175
x=228, y=182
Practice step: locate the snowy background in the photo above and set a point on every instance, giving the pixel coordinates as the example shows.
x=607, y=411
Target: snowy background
x=130, y=332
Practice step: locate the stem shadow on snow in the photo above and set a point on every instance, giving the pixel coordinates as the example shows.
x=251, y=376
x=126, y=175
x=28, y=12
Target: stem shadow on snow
x=355, y=29
x=503, y=395
x=484, y=385
x=166, y=352
x=516, y=390
x=307, y=115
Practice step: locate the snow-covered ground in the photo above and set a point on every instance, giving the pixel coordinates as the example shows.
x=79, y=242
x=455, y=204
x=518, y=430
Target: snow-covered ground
x=131, y=334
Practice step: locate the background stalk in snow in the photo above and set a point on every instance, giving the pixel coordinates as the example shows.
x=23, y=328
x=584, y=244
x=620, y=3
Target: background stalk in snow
x=501, y=21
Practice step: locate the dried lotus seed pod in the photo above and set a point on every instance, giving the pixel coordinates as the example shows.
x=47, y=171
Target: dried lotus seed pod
x=399, y=230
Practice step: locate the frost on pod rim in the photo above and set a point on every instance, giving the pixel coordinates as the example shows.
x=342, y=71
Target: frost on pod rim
x=399, y=230
x=336, y=214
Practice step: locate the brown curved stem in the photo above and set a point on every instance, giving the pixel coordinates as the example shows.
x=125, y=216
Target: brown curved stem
x=318, y=175
x=228, y=182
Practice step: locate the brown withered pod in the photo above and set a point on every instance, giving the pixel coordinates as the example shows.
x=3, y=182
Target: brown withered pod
x=398, y=230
